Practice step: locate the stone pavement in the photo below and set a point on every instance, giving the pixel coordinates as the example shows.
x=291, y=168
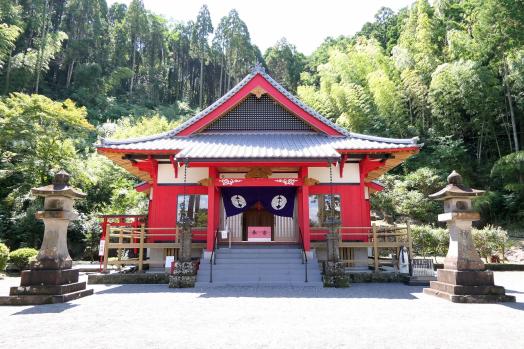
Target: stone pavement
x=362, y=316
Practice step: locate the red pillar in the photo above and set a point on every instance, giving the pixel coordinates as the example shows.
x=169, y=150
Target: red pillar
x=213, y=207
x=304, y=210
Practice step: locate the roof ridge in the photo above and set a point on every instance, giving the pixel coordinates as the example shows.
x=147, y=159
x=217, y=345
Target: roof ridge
x=412, y=140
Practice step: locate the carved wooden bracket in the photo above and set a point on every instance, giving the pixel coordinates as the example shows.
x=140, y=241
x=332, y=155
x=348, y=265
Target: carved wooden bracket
x=310, y=181
x=259, y=172
x=206, y=182
x=258, y=91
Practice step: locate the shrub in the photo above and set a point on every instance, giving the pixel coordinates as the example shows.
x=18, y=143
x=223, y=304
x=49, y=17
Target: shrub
x=4, y=256
x=21, y=257
x=490, y=240
x=429, y=241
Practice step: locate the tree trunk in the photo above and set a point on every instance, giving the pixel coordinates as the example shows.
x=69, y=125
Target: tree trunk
x=70, y=73
x=201, y=82
x=8, y=73
x=131, y=84
x=42, y=48
x=220, y=83
x=511, y=111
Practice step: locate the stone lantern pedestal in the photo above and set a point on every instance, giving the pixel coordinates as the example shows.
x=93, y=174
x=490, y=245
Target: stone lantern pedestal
x=463, y=279
x=334, y=270
x=51, y=278
x=184, y=273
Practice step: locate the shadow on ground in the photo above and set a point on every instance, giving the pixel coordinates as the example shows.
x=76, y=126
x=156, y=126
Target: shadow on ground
x=375, y=290
x=47, y=309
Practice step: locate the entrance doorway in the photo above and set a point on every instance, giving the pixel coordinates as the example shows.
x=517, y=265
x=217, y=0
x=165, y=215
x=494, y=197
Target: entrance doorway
x=257, y=216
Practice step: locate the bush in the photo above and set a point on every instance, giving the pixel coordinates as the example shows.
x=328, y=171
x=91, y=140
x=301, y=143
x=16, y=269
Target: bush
x=491, y=240
x=429, y=241
x=4, y=256
x=21, y=257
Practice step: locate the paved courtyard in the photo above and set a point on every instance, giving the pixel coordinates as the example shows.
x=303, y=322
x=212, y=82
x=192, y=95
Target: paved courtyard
x=363, y=316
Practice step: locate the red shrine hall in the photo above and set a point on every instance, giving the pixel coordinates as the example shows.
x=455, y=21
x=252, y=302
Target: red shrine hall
x=262, y=166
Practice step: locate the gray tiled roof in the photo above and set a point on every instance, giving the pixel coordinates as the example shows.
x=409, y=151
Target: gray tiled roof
x=270, y=144
x=262, y=145
x=258, y=69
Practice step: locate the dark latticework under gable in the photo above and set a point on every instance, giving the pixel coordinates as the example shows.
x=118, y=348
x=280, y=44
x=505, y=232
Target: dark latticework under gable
x=259, y=114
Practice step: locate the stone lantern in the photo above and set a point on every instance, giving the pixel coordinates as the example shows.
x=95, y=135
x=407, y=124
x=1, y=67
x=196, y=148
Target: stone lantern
x=51, y=278
x=463, y=279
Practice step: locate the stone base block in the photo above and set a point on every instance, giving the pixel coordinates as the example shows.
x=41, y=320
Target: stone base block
x=473, y=278
x=184, y=275
x=467, y=287
x=335, y=275
x=48, y=277
x=471, y=298
x=44, y=299
x=47, y=289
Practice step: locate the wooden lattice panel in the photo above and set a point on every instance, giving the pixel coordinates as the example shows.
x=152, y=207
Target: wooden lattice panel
x=259, y=114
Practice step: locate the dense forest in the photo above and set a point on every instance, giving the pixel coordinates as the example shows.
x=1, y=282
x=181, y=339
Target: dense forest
x=450, y=72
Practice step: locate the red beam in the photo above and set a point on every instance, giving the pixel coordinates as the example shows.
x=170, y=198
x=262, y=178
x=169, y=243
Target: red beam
x=374, y=186
x=259, y=182
x=341, y=165
x=174, y=164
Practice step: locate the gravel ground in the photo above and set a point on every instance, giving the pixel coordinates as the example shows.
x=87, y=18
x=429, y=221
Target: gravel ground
x=363, y=316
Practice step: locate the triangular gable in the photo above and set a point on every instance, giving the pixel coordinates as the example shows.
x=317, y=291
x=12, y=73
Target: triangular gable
x=258, y=83
x=258, y=113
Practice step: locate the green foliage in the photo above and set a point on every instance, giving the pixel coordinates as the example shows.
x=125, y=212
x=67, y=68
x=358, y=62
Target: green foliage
x=143, y=126
x=429, y=240
x=406, y=197
x=285, y=64
x=490, y=240
x=21, y=257
x=4, y=256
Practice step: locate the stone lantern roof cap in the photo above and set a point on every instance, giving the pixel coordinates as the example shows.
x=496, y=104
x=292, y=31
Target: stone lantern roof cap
x=455, y=189
x=59, y=187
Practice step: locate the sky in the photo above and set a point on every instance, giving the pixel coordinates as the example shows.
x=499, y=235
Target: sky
x=304, y=23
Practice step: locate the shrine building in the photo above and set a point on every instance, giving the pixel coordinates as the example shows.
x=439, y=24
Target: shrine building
x=263, y=166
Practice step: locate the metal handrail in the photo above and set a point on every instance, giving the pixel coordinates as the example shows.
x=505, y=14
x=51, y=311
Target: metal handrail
x=304, y=260
x=212, y=260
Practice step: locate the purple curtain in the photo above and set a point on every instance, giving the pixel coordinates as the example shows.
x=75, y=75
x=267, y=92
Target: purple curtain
x=277, y=200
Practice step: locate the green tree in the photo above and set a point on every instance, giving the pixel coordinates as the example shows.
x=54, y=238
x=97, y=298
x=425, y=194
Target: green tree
x=285, y=64
x=203, y=27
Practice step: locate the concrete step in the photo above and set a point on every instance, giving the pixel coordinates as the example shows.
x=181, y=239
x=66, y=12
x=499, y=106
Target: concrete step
x=258, y=260
x=258, y=250
x=249, y=273
x=259, y=266
x=259, y=255
x=259, y=284
x=258, y=270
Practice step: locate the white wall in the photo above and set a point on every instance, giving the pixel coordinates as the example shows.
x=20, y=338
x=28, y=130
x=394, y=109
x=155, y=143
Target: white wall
x=273, y=175
x=351, y=174
x=166, y=174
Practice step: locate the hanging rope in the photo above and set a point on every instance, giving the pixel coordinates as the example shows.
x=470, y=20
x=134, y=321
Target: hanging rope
x=332, y=198
x=185, y=221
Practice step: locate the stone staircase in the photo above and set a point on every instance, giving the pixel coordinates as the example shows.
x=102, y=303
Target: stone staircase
x=259, y=266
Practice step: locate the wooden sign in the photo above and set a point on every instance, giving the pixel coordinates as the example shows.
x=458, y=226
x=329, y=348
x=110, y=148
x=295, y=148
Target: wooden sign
x=259, y=234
